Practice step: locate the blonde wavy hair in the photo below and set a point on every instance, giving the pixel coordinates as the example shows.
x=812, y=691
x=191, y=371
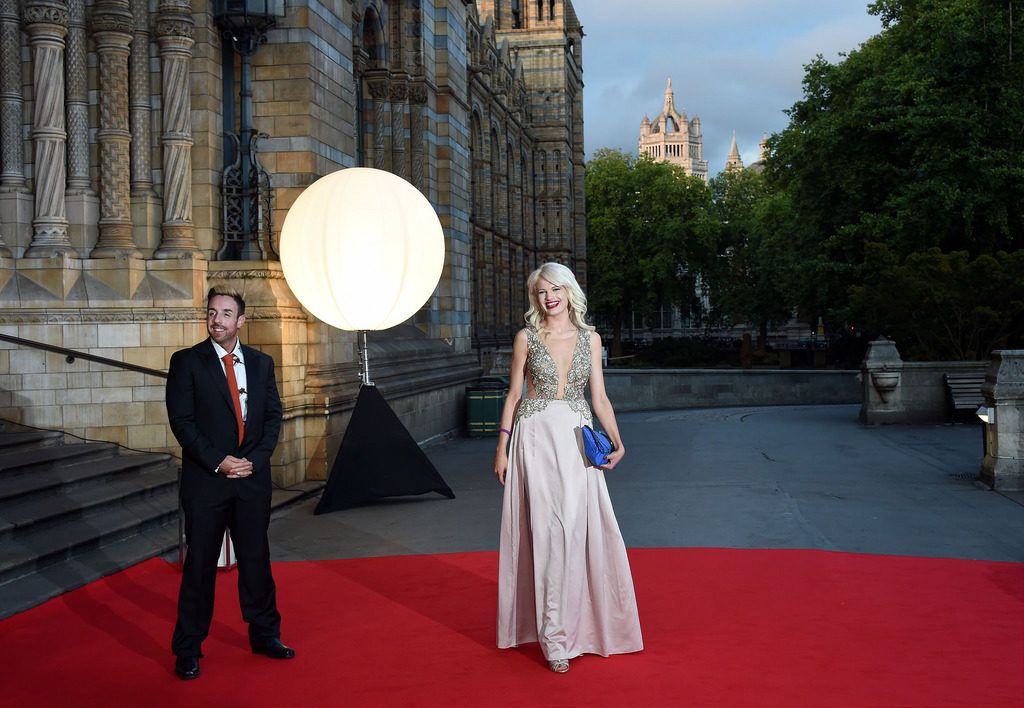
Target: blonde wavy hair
x=556, y=274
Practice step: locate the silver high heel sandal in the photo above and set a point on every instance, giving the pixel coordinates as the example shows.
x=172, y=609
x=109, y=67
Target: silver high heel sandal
x=559, y=666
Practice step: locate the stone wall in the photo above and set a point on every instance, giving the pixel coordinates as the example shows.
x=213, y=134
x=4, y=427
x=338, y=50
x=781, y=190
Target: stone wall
x=659, y=389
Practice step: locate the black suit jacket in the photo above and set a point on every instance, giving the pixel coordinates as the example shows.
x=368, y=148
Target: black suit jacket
x=202, y=417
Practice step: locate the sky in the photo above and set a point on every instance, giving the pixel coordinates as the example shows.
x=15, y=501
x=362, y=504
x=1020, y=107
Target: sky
x=737, y=64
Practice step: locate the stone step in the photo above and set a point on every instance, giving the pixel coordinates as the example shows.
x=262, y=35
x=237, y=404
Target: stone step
x=33, y=589
x=151, y=541
x=35, y=459
x=29, y=438
x=31, y=483
x=40, y=548
x=126, y=478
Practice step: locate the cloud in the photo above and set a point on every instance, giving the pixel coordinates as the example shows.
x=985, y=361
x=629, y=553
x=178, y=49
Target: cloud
x=737, y=64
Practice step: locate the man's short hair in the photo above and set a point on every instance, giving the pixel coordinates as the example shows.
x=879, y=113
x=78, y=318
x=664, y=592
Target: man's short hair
x=214, y=292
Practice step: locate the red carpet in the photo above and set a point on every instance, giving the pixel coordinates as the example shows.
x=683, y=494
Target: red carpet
x=722, y=627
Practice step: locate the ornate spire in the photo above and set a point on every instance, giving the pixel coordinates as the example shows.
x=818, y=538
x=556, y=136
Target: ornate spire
x=670, y=102
x=734, y=161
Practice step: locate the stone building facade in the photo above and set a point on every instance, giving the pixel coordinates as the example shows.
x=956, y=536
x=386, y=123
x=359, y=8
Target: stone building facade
x=672, y=137
x=112, y=154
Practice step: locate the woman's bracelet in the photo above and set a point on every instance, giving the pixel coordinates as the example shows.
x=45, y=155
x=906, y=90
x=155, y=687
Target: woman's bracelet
x=505, y=430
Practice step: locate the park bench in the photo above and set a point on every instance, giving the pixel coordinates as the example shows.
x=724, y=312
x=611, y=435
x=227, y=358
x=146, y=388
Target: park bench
x=965, y=391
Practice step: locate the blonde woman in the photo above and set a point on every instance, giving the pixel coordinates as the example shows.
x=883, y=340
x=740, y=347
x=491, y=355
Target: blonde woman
x=563, y=578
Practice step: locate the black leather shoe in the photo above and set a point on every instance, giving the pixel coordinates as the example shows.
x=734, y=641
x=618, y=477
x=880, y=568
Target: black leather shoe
x=272, y=648
x=187, y=667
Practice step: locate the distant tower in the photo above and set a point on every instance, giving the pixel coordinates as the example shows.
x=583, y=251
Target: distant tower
x=670, y=137
x=762, y=155
x=734, y=161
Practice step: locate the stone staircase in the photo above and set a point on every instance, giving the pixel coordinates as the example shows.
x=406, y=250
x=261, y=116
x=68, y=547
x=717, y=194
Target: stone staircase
x=73, y=512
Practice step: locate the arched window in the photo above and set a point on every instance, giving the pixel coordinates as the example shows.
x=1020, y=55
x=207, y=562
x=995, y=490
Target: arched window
x=476, y=152
x=373, y=49
x=495, y=171
x=517, y=15
x=510, y=226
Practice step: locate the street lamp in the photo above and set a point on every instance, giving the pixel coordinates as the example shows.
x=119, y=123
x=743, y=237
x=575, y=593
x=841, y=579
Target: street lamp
x=244, y=25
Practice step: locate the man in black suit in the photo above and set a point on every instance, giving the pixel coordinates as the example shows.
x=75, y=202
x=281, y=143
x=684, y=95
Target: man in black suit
x=224, y=409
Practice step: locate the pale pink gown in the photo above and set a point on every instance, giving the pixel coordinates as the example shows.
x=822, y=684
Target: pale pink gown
x=563, y=577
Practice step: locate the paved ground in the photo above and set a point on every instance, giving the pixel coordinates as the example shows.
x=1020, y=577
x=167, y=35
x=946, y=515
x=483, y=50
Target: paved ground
x=780, y=477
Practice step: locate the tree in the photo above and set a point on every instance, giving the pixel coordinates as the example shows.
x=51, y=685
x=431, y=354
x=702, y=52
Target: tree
x=943, y=305
x=755, y=266
x=649, y=232
x=914, y=141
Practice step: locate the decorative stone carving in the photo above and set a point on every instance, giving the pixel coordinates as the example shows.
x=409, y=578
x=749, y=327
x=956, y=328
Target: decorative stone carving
x=50, y=12
x=174, y=29
x=417, y=111
x=399, y=94
x=112, y=30
x=250, y=274
x=379, y=92
x=138, y=68
x=77, y=101
x=46, y=22
x=12, y=157
x=379, y=89
x=885, y=382
x=881, y=372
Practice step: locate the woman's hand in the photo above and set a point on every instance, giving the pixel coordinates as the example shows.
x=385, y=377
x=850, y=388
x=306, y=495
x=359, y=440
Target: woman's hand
x=614, y=457
x=500, y=466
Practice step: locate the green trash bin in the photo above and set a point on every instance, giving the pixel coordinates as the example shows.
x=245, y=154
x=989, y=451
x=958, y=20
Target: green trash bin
x=484, y=402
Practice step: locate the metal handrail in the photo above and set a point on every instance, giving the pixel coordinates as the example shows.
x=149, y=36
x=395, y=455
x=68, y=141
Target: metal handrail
x=71, y=354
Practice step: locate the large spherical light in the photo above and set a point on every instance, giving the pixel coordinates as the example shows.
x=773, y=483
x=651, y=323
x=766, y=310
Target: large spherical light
x=362, y=249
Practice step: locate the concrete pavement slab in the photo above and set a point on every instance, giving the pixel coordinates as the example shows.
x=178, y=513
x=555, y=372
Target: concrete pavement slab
x=759, y=477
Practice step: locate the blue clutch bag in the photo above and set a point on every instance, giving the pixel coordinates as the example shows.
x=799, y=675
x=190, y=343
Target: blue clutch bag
x=596, y=445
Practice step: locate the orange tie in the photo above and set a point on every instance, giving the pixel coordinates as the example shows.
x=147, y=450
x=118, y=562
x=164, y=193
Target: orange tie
x=229, y=369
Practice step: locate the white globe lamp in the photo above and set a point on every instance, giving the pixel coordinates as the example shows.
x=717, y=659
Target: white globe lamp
x=362, y=249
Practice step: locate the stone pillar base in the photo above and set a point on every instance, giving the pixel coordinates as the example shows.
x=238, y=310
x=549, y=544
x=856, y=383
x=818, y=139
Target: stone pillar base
x=1003, y=466
x=147, y=213
x=83, y=220
x=1004, y=475
x=16, y=216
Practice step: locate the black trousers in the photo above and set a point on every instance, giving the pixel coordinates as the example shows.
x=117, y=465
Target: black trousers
x=205, y=521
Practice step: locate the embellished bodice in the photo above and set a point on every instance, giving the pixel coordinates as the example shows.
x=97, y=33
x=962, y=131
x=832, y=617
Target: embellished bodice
x=544, y=375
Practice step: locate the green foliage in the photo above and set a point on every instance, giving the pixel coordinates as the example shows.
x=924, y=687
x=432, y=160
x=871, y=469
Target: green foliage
x=748, y=282
x=649, y=232
x=913, y=142
x=944, y=306
x=915, y=139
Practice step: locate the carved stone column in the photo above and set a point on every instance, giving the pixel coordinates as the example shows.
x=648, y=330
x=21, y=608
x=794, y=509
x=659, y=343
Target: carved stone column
x=46, y=22
x=417, y=111
x=77, y=101
x=378, y=86
x=112, y=31
x=146, y=207
x=81, y=201
x=174, y=28
x=398, y=95
x=12, y=161
x=138, y=67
